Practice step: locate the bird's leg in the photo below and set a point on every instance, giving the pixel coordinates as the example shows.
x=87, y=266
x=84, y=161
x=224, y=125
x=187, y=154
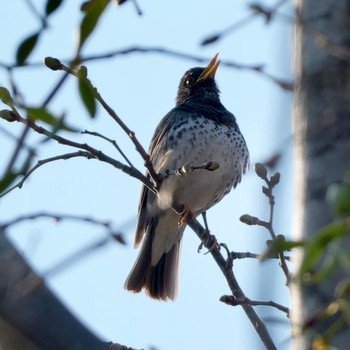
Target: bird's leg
x=204, y=216
x=207, y=237
x=185, y=216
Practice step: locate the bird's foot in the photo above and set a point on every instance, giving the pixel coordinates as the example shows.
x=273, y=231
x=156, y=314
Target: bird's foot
x=185, y=216
x=210, y=242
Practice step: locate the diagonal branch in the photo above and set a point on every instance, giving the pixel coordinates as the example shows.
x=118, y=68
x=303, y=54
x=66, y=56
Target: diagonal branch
x=55, y=64
x=236, y=290
x=113, y=142
x=207, y=240
x=95, y=154
x=65, y=156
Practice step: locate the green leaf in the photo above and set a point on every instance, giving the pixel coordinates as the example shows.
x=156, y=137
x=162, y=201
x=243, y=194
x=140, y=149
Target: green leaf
x=93, y=11
x=319, y=243
x=87, y=95
x=342, y=200
x=40, y=114
x=56, y=122
x=52, y=6
x=279, y=246
x=26, y=47
x=326, y=269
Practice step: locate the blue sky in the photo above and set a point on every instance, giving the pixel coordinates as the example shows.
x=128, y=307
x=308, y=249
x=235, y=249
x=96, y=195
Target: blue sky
x=142, y=88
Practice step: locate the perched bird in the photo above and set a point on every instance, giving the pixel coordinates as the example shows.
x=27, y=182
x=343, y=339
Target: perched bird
x=197, y=130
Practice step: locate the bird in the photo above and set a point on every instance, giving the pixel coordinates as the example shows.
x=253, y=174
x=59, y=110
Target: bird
x=198, y=130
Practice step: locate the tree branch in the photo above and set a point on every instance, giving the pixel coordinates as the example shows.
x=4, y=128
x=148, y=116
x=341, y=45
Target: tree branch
x=113, y=142
x=209, y=242
x=95, y=154
x=231, y=300
x=65, y=156
x=261, y=171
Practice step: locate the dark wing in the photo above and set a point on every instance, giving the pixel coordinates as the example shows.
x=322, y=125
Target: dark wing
x=146, y=195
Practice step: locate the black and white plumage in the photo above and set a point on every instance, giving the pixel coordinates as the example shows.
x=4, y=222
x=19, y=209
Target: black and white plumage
x=197, y=130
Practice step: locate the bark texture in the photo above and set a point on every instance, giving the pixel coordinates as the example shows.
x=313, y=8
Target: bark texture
x=321, y=125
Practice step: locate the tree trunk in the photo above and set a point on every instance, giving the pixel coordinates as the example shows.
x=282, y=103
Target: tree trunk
x=321, y=124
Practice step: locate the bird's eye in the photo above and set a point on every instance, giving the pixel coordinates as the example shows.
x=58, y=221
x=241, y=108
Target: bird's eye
x=189, y=81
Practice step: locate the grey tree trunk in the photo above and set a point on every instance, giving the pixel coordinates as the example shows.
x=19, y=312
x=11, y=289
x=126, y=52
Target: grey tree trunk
x=321, y=124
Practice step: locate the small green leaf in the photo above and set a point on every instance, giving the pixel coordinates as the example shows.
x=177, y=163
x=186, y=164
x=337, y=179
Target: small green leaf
x=56, y=122
x=325, y=270
x=279, y=245
x=5, y=97
x=52, y=6
x=87, y=96
x=93, y=11
x=40, y=114
x=26, y=47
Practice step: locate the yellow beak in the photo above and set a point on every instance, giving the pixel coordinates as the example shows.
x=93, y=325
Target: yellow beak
x=210, y=69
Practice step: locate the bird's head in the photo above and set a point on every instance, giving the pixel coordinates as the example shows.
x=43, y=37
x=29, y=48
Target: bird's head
x=199, y=82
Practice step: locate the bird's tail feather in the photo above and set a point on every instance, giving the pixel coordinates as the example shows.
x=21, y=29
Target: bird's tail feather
x=159, y=281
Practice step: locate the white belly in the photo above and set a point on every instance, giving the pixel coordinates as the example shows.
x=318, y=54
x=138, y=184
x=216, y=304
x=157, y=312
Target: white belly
x=201, y=189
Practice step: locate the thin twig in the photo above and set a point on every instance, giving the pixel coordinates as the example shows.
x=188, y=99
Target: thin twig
x=271, y=182
x=113, y=142
x=244, y=255
x=257, y=68
x=56, y=217
x=83, y=146
x=231, y=300
x=15, y=153
x=65, y=156
x=145, y=156
x=205, y=237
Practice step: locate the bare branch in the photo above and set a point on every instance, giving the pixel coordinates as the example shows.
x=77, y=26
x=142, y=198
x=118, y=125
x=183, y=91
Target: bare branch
x=231, y=300
x=261, y=171
x=257, y=68
x=55, y=64
x=208, y=242
x=113, y=142
x=45, y=161
x=95, y=154
x=14, y=156
x=57, y=217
